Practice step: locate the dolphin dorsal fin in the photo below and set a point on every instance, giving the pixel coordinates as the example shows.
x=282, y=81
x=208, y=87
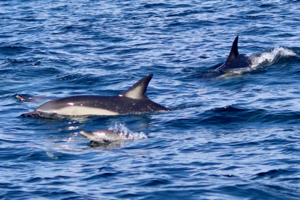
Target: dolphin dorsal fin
x=234, y=50
x=138, y=90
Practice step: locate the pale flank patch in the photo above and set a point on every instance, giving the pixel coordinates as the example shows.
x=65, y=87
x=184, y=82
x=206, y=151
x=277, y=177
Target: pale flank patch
x=80, y=110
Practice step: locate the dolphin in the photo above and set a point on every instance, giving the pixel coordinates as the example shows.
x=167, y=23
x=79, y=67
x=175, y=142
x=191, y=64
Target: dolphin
x=234, y=60
x=132, y=101
x=107, y=136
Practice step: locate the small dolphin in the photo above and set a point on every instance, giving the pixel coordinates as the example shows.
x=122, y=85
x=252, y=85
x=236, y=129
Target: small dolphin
x=107, y=136
x=234, y=60
x=132, y=101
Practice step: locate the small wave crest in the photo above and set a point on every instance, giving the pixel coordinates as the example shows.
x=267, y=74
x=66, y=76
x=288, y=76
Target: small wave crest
x=126, y=134
x=270, y=57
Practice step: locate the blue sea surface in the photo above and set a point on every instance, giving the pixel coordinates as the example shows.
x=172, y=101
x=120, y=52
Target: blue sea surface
x=234, y=136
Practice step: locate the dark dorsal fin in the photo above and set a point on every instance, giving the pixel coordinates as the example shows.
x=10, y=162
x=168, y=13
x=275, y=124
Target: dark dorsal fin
x=234, y=50
x=138, y=90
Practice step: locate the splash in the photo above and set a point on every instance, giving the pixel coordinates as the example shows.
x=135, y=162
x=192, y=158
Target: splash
x=261, y=60
x=125, y=133
x=270, y=57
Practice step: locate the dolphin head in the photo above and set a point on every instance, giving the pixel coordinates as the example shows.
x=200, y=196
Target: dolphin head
x=101, y=136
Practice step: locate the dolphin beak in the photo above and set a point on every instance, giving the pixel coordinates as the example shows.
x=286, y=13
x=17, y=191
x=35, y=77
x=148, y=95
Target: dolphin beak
x=86, y=134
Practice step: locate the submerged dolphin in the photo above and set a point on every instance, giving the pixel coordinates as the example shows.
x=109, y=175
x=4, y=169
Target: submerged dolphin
x=132, y=101
x=234, y=60
x=107, y=136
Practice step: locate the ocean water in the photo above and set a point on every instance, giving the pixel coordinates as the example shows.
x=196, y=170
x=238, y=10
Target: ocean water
x=234, y=136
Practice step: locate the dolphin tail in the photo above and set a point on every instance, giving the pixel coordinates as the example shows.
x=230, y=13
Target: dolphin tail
x=23, y=99
x=234, y=50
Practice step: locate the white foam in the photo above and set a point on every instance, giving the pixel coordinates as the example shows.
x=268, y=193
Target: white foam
x=268, y=58
x=261, y=60
x=126, y=134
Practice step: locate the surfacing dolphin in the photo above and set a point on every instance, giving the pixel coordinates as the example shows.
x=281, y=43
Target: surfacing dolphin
x=132, y=101
x=234, y=61
x=108, y=136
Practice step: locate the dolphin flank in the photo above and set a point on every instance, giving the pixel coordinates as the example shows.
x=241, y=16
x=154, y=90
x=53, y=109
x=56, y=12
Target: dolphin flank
x=132, y=101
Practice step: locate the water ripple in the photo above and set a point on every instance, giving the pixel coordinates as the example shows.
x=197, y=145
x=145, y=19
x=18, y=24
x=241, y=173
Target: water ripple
x=229, y=137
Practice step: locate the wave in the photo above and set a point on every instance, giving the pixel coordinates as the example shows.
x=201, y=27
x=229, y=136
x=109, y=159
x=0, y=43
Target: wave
x=271, y=57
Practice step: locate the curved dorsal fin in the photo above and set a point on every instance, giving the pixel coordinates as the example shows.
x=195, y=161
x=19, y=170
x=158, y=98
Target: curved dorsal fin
x=138, y=90
x=234, y=50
